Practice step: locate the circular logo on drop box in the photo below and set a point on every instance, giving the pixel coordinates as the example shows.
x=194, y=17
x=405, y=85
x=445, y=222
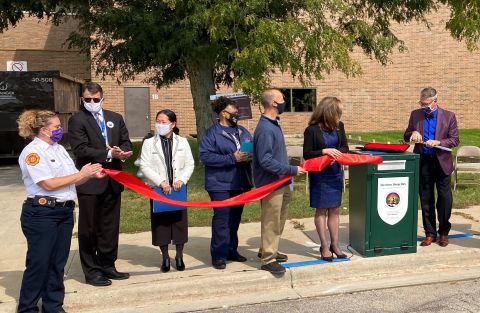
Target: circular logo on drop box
x=392, y=199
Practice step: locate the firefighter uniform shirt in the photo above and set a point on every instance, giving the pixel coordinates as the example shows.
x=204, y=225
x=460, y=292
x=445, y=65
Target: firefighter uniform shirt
x=41, y=161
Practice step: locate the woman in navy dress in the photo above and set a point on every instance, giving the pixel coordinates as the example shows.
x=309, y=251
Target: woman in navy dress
x=325, y=135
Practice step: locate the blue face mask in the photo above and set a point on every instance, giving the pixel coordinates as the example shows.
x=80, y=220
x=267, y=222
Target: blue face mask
x=281, y=107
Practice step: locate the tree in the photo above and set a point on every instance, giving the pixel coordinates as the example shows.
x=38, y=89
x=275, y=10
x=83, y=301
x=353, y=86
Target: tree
x=239, y=42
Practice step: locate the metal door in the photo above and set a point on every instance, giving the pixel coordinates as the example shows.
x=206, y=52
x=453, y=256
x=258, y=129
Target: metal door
x=137, y=111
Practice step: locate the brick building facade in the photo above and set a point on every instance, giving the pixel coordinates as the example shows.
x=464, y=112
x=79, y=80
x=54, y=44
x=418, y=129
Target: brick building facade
x=380, y=99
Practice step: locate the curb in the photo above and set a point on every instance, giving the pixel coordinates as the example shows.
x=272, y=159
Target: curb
x=223, y=289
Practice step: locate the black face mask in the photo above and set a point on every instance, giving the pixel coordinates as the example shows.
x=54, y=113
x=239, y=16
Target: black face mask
x=427, y=109
x=233, y=118
x=281, y=107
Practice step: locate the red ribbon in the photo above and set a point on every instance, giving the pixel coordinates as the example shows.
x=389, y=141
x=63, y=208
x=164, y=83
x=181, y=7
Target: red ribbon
x=312, y=165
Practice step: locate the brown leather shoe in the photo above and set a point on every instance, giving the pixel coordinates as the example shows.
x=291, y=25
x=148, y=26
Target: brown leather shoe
x=443, y=242
x=428, y=241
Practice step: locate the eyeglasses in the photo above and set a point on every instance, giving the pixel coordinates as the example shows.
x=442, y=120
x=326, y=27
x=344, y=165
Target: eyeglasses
x=426, y=104
x=230, y=112
x=96, y=100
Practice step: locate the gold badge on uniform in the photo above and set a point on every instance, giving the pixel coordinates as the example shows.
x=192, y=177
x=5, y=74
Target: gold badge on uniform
x=42, y=201
x=32, y=159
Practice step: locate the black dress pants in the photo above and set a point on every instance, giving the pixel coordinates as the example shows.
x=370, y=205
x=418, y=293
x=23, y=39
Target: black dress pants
x=98, y=228
x=431, y=176
x=49, y=234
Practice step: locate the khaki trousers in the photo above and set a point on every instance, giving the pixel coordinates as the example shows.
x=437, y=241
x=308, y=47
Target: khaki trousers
x=274, y=214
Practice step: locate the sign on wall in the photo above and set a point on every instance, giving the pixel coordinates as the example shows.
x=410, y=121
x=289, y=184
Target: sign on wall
x=242, y=100
x=17, y=66
x=392, y=201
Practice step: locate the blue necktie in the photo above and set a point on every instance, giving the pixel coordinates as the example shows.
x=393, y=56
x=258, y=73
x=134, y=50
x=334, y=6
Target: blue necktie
x=101, y=124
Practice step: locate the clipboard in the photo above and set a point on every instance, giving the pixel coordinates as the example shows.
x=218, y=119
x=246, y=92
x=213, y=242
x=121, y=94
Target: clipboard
x=247, y=147
x=180, y=195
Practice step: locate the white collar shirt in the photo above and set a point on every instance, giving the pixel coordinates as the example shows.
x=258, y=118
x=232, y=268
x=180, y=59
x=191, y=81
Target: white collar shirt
x=40, y=161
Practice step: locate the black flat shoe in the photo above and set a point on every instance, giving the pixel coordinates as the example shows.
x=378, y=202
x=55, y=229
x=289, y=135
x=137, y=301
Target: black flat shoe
x=179, y=265
x=98, y=281
x=112, y=273
x=326, y=258
x=339, y=256
x=165, y=265
x=219, y=264
x=237, y=257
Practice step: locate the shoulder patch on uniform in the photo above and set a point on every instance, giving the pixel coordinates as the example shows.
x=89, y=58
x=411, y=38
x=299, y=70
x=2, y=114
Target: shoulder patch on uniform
x=32, y=159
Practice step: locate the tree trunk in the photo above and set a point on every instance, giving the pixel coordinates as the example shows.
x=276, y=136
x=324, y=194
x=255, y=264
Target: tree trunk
x=202, y=85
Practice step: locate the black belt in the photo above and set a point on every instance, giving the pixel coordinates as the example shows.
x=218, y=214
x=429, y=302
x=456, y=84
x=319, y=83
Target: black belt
x=58, y=204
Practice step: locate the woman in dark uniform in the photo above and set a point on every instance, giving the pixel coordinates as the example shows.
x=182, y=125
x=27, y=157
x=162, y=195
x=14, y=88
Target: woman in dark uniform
x=228, y=173
x=50, y=176
x=166, y=161
x=325, y=135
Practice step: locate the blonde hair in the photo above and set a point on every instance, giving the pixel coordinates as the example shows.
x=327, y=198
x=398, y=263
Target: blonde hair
x=30, y=122
x=327, y=113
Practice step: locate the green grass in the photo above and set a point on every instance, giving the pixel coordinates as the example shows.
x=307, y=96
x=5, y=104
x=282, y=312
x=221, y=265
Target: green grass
x=135, y=216
x=467, y=195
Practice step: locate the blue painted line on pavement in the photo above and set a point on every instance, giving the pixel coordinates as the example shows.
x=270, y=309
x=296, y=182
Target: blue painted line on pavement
x=463, y=235
x=313, y=262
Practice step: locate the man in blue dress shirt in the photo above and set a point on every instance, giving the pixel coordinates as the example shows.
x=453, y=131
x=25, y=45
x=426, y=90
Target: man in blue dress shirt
x=432, y=126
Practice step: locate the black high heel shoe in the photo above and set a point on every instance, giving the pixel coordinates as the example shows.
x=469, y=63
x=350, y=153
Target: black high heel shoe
x=339, y=256
x=179, y=265
x=325, y=258
x=165, y=265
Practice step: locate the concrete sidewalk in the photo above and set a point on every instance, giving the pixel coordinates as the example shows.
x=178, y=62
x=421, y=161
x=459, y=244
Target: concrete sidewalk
x=200, y=286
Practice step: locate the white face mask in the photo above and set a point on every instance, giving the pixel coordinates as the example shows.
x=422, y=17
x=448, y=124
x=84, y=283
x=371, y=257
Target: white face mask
x=163, y=129
x=92, y=106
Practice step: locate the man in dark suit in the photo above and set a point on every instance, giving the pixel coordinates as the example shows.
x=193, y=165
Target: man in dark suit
x=431, y=126
x=99, y=136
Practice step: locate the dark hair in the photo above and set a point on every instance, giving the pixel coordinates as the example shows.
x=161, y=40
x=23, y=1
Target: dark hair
x=150, y=134
x=221, y=103
x=172, y=117
x=92, y=87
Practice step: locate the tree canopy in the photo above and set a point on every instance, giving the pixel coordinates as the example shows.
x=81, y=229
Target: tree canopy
x=239, y=42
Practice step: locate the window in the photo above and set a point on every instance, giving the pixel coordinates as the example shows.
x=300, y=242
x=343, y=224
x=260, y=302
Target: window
x=299, y=99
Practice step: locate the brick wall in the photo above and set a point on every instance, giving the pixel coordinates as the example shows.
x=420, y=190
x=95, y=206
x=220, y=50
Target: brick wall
x=383, y=97
x=42, y=45
x=380, y=99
